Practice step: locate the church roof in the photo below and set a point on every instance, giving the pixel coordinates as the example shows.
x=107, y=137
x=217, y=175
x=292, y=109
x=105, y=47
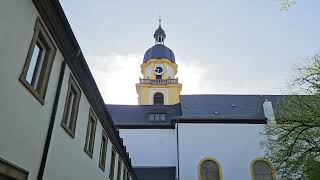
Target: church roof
x=159, y=51
x=215, y=108
x=156, y=173
x=137, y=115
x=224, y=106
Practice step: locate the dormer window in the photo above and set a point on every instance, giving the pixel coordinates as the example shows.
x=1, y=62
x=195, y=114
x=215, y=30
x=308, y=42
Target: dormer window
x=157, y=116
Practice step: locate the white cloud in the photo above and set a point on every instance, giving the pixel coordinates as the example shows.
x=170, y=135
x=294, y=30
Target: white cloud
x=117, y=74
x=191, y=77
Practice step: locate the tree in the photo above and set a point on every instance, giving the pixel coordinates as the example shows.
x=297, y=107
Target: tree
x=292, y=140
x=286, y=4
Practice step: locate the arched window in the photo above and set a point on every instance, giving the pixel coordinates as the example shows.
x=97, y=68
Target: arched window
x=209, y=169
x=261, y=169
x=158, y=99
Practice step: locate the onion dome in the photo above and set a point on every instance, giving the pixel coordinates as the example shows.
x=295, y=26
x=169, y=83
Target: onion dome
x=159, y=50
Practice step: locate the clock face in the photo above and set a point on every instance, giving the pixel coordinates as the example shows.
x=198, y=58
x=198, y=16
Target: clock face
x=158, y=69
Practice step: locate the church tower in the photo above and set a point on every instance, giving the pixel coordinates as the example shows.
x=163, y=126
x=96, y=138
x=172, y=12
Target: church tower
x=159, y=84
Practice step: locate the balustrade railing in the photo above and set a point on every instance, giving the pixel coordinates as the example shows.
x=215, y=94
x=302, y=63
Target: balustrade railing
x=158, y=81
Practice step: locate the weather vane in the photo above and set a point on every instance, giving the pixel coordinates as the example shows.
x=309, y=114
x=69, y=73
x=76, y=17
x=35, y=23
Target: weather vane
x=159, y=16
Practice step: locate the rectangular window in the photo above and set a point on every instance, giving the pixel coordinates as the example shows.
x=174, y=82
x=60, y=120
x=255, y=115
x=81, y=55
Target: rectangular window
x=69, y=118
x=151, y=117
x=37, y=68
x=157, y=116
x=103, y=151
x=119, y=169
x=113, y=158
x=128, y=175
x=124, y=175
x=91, y=131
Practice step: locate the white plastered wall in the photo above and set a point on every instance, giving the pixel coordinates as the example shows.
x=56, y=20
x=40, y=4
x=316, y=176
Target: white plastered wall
x=24, y=120
x=151, y=147
x=233, y=145
x=67, y=158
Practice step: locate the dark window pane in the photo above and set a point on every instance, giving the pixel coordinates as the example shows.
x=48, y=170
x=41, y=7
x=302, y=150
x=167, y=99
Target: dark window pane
x=67, y=120
x=262, y=170
x=128, y=176
x=124, y=173
x=103, y=152
x=209, y=170
x=90, y=135
x=4, y=177
x=158, y=99
x=113, y=157
x=119, y=170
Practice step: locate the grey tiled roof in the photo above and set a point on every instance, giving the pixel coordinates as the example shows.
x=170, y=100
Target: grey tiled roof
x=224, y=106
x=156, y=173
x=138, y=114
x=192, y=107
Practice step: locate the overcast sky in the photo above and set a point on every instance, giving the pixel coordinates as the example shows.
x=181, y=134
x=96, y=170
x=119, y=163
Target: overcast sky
x=221, y=46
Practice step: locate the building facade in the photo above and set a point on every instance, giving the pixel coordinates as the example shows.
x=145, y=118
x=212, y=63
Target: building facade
x=187, y=137
x=54, y=124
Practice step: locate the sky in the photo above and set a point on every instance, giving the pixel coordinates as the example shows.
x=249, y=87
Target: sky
x=221, y=46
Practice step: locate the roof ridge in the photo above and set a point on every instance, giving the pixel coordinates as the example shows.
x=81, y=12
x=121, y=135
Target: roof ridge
x=233, y=95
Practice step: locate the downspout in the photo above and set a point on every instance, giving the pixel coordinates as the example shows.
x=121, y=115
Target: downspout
x=51, y=123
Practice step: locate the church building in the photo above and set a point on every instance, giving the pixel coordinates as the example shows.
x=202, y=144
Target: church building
x=186, y=137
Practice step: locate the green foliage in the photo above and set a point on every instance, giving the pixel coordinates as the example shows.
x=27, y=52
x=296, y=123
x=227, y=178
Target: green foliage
x=286, y=4
x=312, y=170
x=293, y=139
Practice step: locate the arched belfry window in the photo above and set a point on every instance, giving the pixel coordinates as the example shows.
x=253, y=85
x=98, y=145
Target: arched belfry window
x=158, y=99
x=209, y=169
x=262, y=169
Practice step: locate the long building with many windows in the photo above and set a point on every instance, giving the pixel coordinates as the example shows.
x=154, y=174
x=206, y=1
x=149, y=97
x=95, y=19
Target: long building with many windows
x=54, y=124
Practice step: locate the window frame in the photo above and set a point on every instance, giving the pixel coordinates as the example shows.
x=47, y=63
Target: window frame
x=128, y=175
x=112, y=163
x=40, y=36
x=124, y=175
x=160, y=115
x=156, y=98
x=103, y=157
x=209, y=159
x=119, y=168
x=92, y=125
x=12, y=171
x=72, y=86
x=266, y=161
